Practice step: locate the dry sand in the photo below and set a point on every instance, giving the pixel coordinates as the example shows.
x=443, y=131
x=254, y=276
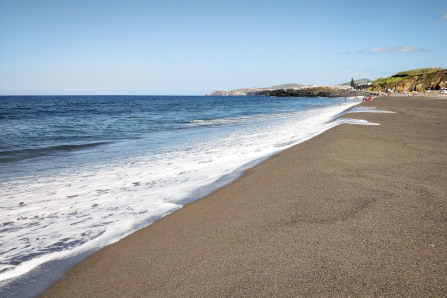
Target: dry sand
x=356, y=211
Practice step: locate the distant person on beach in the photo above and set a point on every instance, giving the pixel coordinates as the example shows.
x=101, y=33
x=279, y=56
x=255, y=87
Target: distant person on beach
x=367, y=98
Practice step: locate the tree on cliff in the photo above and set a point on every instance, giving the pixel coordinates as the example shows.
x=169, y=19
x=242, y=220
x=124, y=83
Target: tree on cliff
x=352, y=83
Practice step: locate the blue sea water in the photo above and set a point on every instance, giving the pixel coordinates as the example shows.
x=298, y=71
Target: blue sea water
x=80, y=172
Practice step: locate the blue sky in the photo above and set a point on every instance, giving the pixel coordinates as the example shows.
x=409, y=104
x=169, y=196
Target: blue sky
x=196, y=46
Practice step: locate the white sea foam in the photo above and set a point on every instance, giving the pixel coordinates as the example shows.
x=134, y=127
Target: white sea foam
x=369, y=110
x=55, y=217
x=355, y=121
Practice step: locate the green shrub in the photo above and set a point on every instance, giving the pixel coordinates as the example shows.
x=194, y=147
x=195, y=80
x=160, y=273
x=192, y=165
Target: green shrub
x=383, y=81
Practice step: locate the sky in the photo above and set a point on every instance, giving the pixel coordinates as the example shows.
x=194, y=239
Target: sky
x=191, y=47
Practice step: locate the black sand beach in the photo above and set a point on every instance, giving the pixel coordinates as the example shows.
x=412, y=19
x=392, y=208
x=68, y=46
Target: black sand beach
x=356, y=211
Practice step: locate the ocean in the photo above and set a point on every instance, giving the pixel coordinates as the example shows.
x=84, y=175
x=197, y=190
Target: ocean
x=80, y=172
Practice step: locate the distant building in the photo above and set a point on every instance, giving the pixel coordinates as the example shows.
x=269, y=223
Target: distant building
x=363, y=87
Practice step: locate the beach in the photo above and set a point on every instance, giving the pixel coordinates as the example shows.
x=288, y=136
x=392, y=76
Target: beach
x=359, y=210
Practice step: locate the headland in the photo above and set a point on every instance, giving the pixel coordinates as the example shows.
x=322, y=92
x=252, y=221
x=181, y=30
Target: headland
x=421, y=81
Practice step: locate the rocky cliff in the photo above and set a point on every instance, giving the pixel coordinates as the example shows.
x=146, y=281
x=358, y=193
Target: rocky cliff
x=413, y=80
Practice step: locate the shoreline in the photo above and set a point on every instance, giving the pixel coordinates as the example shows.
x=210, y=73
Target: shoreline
x=348, y=212
x=37, y=276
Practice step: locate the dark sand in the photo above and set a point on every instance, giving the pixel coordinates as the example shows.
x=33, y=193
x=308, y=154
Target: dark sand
x=355, y=211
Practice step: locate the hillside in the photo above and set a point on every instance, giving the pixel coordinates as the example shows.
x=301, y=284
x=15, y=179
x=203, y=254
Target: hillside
x=413, y=80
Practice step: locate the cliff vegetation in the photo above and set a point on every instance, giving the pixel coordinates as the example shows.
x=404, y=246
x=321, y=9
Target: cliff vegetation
x=413, y=80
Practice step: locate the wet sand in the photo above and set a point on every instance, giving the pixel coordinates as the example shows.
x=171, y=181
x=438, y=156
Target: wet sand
x=356, y=211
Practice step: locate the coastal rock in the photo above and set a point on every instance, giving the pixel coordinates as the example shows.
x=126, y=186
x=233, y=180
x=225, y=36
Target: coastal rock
x=315, y=92
x=296, y=92
x=253, y=91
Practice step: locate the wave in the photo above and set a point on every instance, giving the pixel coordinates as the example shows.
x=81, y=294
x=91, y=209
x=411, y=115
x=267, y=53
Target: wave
x=236, y=120
x=368, y=110
x=356, y=109
x=216, y=122
x=18, y=155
